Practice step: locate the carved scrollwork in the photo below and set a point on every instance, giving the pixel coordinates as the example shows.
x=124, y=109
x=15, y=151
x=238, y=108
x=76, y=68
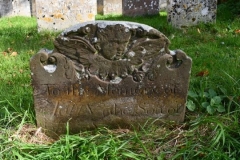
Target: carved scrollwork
x=45, y=66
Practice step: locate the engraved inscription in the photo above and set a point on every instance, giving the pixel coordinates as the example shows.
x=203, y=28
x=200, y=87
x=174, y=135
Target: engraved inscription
x=79, y=90
x=70, y=109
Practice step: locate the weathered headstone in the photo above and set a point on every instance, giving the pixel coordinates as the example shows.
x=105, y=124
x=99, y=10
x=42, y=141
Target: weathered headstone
x=60, y=14
x=33, y=8
x=162, y=5
x=140, y=7
x=112, y=7
x=108, y=73
x=183, y=13
x=100, y=6
x=15, y=8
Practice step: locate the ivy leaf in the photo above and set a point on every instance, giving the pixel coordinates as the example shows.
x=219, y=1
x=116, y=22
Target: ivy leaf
x=190, y=105
x=212, y=93
x=210, y=109
x=221, y=108
x=192, y=94
x=217, y=99
x=205, y=94
x=205, y=104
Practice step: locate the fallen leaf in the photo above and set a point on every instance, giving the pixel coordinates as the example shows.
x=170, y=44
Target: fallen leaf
x=237, y=31
x=199, y=31
x=14, y=54
x=202, y=73
x=20, y=70
x=9, y=50
x=4, y=53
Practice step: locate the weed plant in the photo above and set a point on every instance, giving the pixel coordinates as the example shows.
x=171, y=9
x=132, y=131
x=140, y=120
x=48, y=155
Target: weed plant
x=211, y=128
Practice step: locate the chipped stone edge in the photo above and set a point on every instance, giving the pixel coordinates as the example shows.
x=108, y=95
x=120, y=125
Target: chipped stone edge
x=103, y=24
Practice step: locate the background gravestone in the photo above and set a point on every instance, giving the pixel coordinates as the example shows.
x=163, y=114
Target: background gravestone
x=33, y=8
x=184, y=13
x=140, y=7
x=109, y=73
x=15, y=8
x=162, y=5
x=112, y=7
x=100, y=6
x=60, y=14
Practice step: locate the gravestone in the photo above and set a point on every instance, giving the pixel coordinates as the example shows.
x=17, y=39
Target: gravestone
x=108, y=73
x=140, y=7
x=162, y=5
x=15, y=8
x=100, y=6
x=112, y=7
x=33, y=8
x=60, y=14
x=183, y=13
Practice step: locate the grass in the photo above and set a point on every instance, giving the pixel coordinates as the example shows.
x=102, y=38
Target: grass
x=215, y=50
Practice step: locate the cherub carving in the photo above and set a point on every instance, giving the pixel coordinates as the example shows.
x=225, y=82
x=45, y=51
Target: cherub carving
x=112, y=50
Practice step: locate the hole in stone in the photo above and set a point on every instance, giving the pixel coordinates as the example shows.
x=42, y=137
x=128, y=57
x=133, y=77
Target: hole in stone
x=50, y=68
x=193, y=19
x=43, y=16
x=62, y=18
x=54, y=23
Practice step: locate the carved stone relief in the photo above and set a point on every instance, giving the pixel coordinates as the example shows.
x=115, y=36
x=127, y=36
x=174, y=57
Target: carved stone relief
x=106, y=73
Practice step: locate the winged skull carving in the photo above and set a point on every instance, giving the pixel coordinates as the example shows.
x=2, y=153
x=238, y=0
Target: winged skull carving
x=110, y=51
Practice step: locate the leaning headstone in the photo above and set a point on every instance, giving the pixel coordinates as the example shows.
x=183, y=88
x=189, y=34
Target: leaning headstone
x=184, y=13
x=60, y=14
x=140, y=7
x=15, y=8
x=108, y=73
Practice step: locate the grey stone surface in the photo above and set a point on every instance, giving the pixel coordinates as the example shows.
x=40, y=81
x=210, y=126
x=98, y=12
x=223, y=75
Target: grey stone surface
x=140, y=7
x=15, y=8
x=112, y=7
x=162, y=5
x=33, y=8
x=109, y=73
x=6, y=8
x=60, y=14
x=183, y=13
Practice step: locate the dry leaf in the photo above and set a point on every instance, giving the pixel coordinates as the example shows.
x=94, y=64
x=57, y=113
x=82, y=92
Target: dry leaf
x=4, y=53
x=202, y=73
x=9, y=50
x=237, y=31
x=14, y=54
x=20, y=70
x=199, y=31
